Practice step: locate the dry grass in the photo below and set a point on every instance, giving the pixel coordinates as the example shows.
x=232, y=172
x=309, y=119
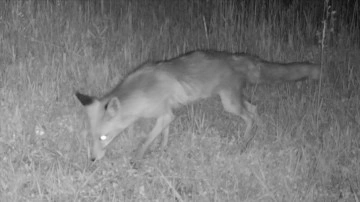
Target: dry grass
x=306, y=149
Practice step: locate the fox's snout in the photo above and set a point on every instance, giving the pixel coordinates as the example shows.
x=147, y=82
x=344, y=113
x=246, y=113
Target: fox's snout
x=97, y=152
x=97, y=155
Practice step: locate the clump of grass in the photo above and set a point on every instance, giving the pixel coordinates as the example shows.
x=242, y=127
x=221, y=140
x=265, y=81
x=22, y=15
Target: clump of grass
x=305, y=150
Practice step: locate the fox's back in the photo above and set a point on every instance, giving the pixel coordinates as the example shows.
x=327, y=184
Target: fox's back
x=201, y=74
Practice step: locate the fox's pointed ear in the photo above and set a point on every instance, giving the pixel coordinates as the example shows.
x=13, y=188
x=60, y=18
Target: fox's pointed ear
x=84, y=99
x=113, y=106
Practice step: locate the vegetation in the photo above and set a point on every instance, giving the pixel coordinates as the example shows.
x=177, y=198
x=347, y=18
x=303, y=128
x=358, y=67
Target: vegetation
x=307, y=147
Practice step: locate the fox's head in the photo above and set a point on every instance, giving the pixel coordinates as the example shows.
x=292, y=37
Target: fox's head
x=105, y=121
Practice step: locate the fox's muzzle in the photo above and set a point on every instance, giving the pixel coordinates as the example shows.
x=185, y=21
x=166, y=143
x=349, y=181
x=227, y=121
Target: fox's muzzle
x=97, y=151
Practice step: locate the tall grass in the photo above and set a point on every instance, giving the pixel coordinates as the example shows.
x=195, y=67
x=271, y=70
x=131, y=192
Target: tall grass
x=305, y=150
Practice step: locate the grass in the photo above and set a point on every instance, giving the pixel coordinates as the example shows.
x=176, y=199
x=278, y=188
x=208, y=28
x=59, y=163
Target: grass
x=306, y=149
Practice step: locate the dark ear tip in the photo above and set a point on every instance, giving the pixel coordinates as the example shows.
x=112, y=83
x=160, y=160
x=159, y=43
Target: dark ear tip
x=84, y=99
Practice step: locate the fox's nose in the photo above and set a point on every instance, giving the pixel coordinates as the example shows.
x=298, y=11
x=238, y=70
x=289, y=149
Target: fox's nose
x=97, y=151
x=97, y=154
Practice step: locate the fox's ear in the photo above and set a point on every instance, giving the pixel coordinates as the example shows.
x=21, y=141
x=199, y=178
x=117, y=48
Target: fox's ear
x=84, y=99
x=113, y=106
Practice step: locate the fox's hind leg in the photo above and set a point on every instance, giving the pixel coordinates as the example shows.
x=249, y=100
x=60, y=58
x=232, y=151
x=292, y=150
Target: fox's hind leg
x=233, y=102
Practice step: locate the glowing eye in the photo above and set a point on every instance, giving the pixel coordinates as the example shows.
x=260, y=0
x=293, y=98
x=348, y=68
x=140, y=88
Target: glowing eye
x=103, y=137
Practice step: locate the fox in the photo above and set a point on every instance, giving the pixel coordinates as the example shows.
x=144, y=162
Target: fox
x=155, y=88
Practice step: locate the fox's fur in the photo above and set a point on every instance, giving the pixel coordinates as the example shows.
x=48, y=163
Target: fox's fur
x=154, y=89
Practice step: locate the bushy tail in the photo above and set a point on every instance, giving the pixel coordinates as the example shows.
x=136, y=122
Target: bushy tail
x=271, y=72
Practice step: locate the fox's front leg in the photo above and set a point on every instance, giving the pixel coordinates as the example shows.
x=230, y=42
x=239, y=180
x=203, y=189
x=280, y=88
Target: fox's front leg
x=165, y=138
x=250, y=117
x=162, y=124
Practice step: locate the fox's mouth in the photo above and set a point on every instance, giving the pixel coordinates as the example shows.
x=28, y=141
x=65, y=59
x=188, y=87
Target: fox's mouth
x=99, y=148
